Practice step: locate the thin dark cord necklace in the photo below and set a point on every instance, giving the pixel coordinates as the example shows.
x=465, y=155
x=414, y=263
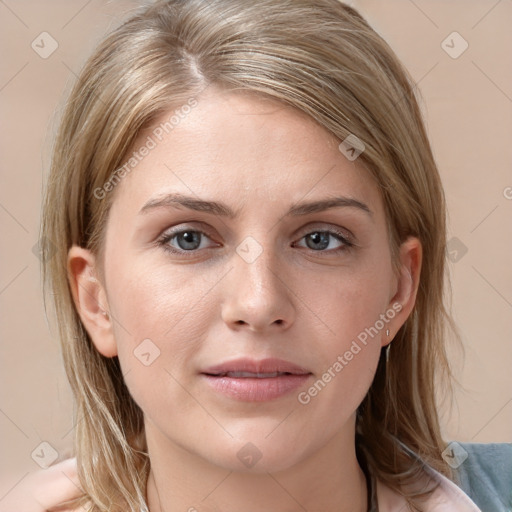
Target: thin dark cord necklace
x=371, y=488
x=373, y=506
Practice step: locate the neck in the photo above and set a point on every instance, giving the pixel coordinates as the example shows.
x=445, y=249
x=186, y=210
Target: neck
x=329, y=479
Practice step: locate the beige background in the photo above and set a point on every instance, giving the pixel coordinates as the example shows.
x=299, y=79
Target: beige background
x=468, y=107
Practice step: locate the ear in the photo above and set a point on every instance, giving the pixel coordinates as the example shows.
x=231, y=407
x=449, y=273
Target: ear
x=90, y=300
x=406, y=287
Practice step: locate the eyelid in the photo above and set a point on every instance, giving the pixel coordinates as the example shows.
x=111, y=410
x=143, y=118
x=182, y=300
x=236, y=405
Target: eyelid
x=327, y=226
x=307, y=229
x=200, y=227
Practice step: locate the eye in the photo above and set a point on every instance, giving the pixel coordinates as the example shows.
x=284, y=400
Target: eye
x=184, y=240
x=321, y=240
x=189, y=240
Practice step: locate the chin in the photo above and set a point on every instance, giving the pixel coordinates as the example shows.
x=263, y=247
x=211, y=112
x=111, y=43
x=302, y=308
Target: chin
x=245, y=456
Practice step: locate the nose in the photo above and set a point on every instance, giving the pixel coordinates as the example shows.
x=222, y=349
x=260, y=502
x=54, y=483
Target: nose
x=257, y=294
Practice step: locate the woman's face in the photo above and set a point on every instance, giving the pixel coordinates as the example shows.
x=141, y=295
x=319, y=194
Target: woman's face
x=251, y=265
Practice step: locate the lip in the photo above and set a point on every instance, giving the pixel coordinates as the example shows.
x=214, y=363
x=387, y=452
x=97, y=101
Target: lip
x=269, y=365
x=256, y=389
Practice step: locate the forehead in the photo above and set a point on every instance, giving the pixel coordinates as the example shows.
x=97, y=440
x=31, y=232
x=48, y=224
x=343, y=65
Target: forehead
x=240, y=145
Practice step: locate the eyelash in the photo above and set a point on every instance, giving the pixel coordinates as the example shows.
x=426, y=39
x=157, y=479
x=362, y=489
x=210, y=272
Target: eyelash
x=164, y=240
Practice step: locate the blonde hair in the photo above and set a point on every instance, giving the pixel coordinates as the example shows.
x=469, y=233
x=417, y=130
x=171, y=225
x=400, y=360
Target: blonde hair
x=321, y=57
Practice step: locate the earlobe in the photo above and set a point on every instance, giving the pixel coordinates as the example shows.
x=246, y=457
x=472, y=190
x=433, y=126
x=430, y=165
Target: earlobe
x=90, y=300
x=407, y=284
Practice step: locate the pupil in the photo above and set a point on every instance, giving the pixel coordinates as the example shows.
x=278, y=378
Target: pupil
x=318, y=238
x=190, y=240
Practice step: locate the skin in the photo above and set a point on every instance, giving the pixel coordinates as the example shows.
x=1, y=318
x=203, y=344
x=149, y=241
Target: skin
x=43, y=489
x=297, y=302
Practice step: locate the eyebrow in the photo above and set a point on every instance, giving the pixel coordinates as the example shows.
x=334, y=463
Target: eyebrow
x=221, y=209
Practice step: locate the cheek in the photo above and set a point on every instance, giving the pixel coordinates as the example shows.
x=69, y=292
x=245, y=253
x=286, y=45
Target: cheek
x=350, y=302
x=156, y=301
x=350, y=347
x=160, y=318
x=350, y=306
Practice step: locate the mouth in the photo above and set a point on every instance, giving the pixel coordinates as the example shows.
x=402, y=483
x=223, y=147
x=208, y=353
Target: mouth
x=243, y=375
x=255, y=381
x=246, y=367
